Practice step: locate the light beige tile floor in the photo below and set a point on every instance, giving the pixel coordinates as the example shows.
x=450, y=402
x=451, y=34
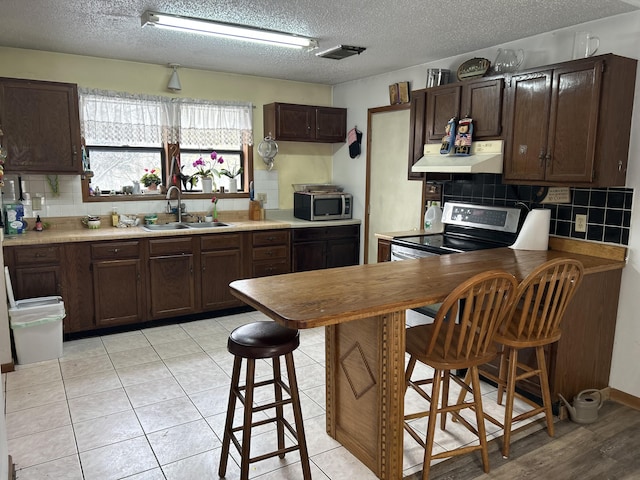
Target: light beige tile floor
x=150, y=404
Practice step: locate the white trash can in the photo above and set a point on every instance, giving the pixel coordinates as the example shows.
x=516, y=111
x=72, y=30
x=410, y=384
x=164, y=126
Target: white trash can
x=37, y=328
x=36, y=324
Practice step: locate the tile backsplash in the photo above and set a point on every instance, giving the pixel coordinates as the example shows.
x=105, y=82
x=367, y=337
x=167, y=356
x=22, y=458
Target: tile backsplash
x=68, y=200
x=608, y=210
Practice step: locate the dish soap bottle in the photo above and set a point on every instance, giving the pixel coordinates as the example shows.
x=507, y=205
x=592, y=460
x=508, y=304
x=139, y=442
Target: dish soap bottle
x=433, y=220
x=115, y=219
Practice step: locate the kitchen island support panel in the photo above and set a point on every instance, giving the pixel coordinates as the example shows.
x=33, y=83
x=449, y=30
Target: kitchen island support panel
x=365, y=389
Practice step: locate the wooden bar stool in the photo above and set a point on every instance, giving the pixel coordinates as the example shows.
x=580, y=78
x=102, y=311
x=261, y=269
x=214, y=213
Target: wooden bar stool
x=461, y=336
x=534, y=322
x=255, y=341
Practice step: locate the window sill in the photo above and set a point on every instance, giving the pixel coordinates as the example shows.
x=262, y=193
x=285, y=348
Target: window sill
x=156, y=196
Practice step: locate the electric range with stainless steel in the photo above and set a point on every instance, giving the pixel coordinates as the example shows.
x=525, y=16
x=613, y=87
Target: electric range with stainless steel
x=467, y=227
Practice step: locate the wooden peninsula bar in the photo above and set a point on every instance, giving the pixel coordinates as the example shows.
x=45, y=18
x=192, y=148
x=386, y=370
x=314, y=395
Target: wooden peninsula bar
x=363, y=310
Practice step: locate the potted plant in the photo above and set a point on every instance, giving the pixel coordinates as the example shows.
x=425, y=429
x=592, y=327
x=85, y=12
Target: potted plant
x=205, y=171
x=231, y=174
x=151, y=179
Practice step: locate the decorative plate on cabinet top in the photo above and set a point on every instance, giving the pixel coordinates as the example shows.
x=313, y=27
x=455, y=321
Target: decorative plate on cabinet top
x=475, y=67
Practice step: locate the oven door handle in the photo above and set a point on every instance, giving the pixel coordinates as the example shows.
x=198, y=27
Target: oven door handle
x=452, y=250
x=410, y=254
x=402, y=256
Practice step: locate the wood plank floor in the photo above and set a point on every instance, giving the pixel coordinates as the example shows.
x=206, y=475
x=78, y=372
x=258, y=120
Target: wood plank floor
x=606, y=449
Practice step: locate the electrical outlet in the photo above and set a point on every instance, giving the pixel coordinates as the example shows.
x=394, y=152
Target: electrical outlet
x=262, y=197
x=581, y=223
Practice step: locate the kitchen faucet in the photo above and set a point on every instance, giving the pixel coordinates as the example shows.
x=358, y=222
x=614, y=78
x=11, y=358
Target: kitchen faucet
x=179, y=200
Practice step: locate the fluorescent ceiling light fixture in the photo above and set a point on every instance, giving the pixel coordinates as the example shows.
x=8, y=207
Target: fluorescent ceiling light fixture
x=228, y=30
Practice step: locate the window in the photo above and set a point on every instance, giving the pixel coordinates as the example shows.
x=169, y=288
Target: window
x=233, y=161
x=127, y=134
x=115, y=167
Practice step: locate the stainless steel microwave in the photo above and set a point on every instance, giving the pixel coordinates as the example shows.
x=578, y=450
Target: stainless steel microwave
x=322, y=205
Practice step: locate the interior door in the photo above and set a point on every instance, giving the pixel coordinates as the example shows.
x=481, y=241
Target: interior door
x=393, y=202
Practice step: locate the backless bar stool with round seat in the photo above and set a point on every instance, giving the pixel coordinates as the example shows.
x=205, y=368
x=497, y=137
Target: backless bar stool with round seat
x=253, y=341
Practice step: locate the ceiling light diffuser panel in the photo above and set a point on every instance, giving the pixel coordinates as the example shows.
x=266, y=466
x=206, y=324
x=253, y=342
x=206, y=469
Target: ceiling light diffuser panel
x=228, y=30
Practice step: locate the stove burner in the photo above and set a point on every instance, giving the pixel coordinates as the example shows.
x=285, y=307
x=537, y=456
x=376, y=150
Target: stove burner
x=443, y=243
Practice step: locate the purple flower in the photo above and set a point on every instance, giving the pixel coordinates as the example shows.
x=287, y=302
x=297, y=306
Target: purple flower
x=198, y=162
x=215, y=158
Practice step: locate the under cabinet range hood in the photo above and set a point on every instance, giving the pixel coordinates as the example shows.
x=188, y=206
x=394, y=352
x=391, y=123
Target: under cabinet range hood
x=485, y=157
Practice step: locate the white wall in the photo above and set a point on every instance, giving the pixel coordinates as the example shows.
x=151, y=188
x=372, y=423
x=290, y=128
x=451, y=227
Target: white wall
x=619, y=35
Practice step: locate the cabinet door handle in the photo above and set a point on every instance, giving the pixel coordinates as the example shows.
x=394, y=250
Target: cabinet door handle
x=541, y=157
x=619, y=165
x=115, y=250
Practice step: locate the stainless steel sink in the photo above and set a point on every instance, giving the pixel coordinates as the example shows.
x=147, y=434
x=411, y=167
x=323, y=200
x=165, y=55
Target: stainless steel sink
x=183, y=226
x=165, y=226
x=206, y=224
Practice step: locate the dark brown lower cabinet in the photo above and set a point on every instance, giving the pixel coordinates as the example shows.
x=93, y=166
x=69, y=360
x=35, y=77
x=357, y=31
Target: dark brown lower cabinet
x=220, y=264
x=35, y=270
x=270, y=253
x=171, y=277
x=317, y=248
x=384, y=250
x=117, y=283
x=110, y=283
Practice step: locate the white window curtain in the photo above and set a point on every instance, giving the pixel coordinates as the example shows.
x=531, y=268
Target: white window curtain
x=118, y=118
x=205, y=123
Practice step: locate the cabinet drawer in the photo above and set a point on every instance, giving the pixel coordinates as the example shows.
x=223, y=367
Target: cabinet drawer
x=37, y=255
x=264, y=269
x=320, y=233
x=115, y=250
x=170, y=246
x=266, y=253
x=271, y=237
x=220, y=242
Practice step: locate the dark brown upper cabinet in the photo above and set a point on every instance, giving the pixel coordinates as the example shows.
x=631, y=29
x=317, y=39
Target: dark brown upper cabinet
x=41, y=126
x=305, y=123
x=569, y=124
x=432, y=108
x=417, y=131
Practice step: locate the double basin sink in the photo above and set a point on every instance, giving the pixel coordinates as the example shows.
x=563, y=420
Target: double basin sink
x=183, y=226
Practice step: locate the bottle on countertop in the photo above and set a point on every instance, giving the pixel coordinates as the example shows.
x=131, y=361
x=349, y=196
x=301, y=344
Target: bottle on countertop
x=114, y=217
x=39, y=227
x=433, y=220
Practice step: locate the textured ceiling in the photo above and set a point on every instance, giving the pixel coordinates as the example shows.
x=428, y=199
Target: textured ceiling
x=396, y=33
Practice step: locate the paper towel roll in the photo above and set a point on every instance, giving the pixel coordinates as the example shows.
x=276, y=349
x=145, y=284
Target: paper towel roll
x=535, y=231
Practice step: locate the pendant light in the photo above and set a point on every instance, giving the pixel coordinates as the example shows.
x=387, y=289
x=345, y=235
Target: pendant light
x=174, y=81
